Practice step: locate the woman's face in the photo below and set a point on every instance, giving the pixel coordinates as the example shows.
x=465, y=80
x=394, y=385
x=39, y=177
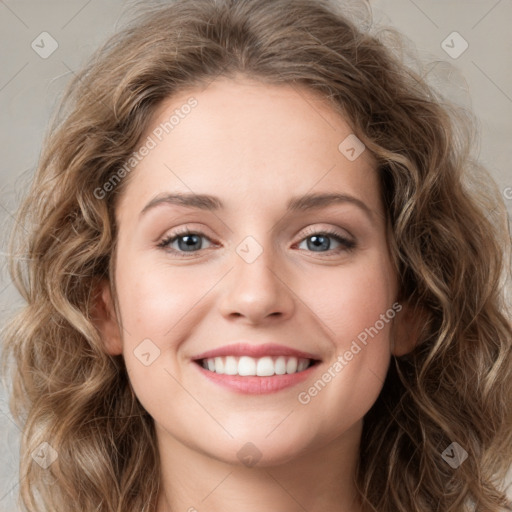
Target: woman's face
x=262, y=270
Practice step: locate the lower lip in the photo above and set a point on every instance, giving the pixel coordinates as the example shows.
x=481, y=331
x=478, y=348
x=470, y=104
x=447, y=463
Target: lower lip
x=255, y=385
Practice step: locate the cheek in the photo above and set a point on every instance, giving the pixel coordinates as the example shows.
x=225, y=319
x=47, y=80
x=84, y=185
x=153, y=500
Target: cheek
x=160, y=307
x=351, y=299
x=155, y=299
x=354, y=308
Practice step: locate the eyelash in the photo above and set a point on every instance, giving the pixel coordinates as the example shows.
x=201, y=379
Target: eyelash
x=347, y=245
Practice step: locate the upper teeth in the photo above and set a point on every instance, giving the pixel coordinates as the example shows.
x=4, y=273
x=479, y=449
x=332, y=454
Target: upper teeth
x=262, y=367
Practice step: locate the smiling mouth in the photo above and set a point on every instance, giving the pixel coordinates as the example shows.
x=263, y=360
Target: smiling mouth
x=246, y=366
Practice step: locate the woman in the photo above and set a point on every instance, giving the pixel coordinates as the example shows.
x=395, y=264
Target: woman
x=256, y=278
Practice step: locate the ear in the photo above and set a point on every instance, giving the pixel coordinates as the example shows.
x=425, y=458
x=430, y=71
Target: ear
x=105, y=319
x=409, y=325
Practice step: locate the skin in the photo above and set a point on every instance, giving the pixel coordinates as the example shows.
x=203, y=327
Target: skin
x=254, y=146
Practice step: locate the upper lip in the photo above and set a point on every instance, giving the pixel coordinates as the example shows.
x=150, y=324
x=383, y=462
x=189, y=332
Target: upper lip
x=252, y=350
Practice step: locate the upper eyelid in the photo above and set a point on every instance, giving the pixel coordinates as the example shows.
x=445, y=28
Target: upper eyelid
x=184, y=230
x=331, y=231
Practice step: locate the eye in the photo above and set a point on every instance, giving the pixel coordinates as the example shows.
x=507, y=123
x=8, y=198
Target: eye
x=186, y=242
x=320, y=241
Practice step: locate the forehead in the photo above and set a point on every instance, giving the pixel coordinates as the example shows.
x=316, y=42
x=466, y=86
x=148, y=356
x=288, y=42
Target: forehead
x=251, y=142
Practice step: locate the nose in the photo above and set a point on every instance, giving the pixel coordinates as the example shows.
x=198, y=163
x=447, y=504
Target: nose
x=258, y=291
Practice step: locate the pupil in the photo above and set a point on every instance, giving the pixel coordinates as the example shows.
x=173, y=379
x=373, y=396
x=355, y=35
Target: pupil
x=325, y=244
x=189, y=241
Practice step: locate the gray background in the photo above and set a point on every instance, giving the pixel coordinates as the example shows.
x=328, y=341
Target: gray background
x=30, y=84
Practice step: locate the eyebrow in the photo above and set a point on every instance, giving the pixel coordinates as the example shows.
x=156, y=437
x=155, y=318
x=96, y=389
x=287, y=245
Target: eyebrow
x=295, y=204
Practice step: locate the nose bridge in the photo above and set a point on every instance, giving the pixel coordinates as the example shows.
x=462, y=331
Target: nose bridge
x=256, y=289
x=255, y=266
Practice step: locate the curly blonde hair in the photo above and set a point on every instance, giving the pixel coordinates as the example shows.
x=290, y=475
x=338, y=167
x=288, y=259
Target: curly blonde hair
x=450, y=242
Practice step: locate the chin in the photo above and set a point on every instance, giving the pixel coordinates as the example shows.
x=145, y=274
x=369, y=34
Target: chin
x=256, y=451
